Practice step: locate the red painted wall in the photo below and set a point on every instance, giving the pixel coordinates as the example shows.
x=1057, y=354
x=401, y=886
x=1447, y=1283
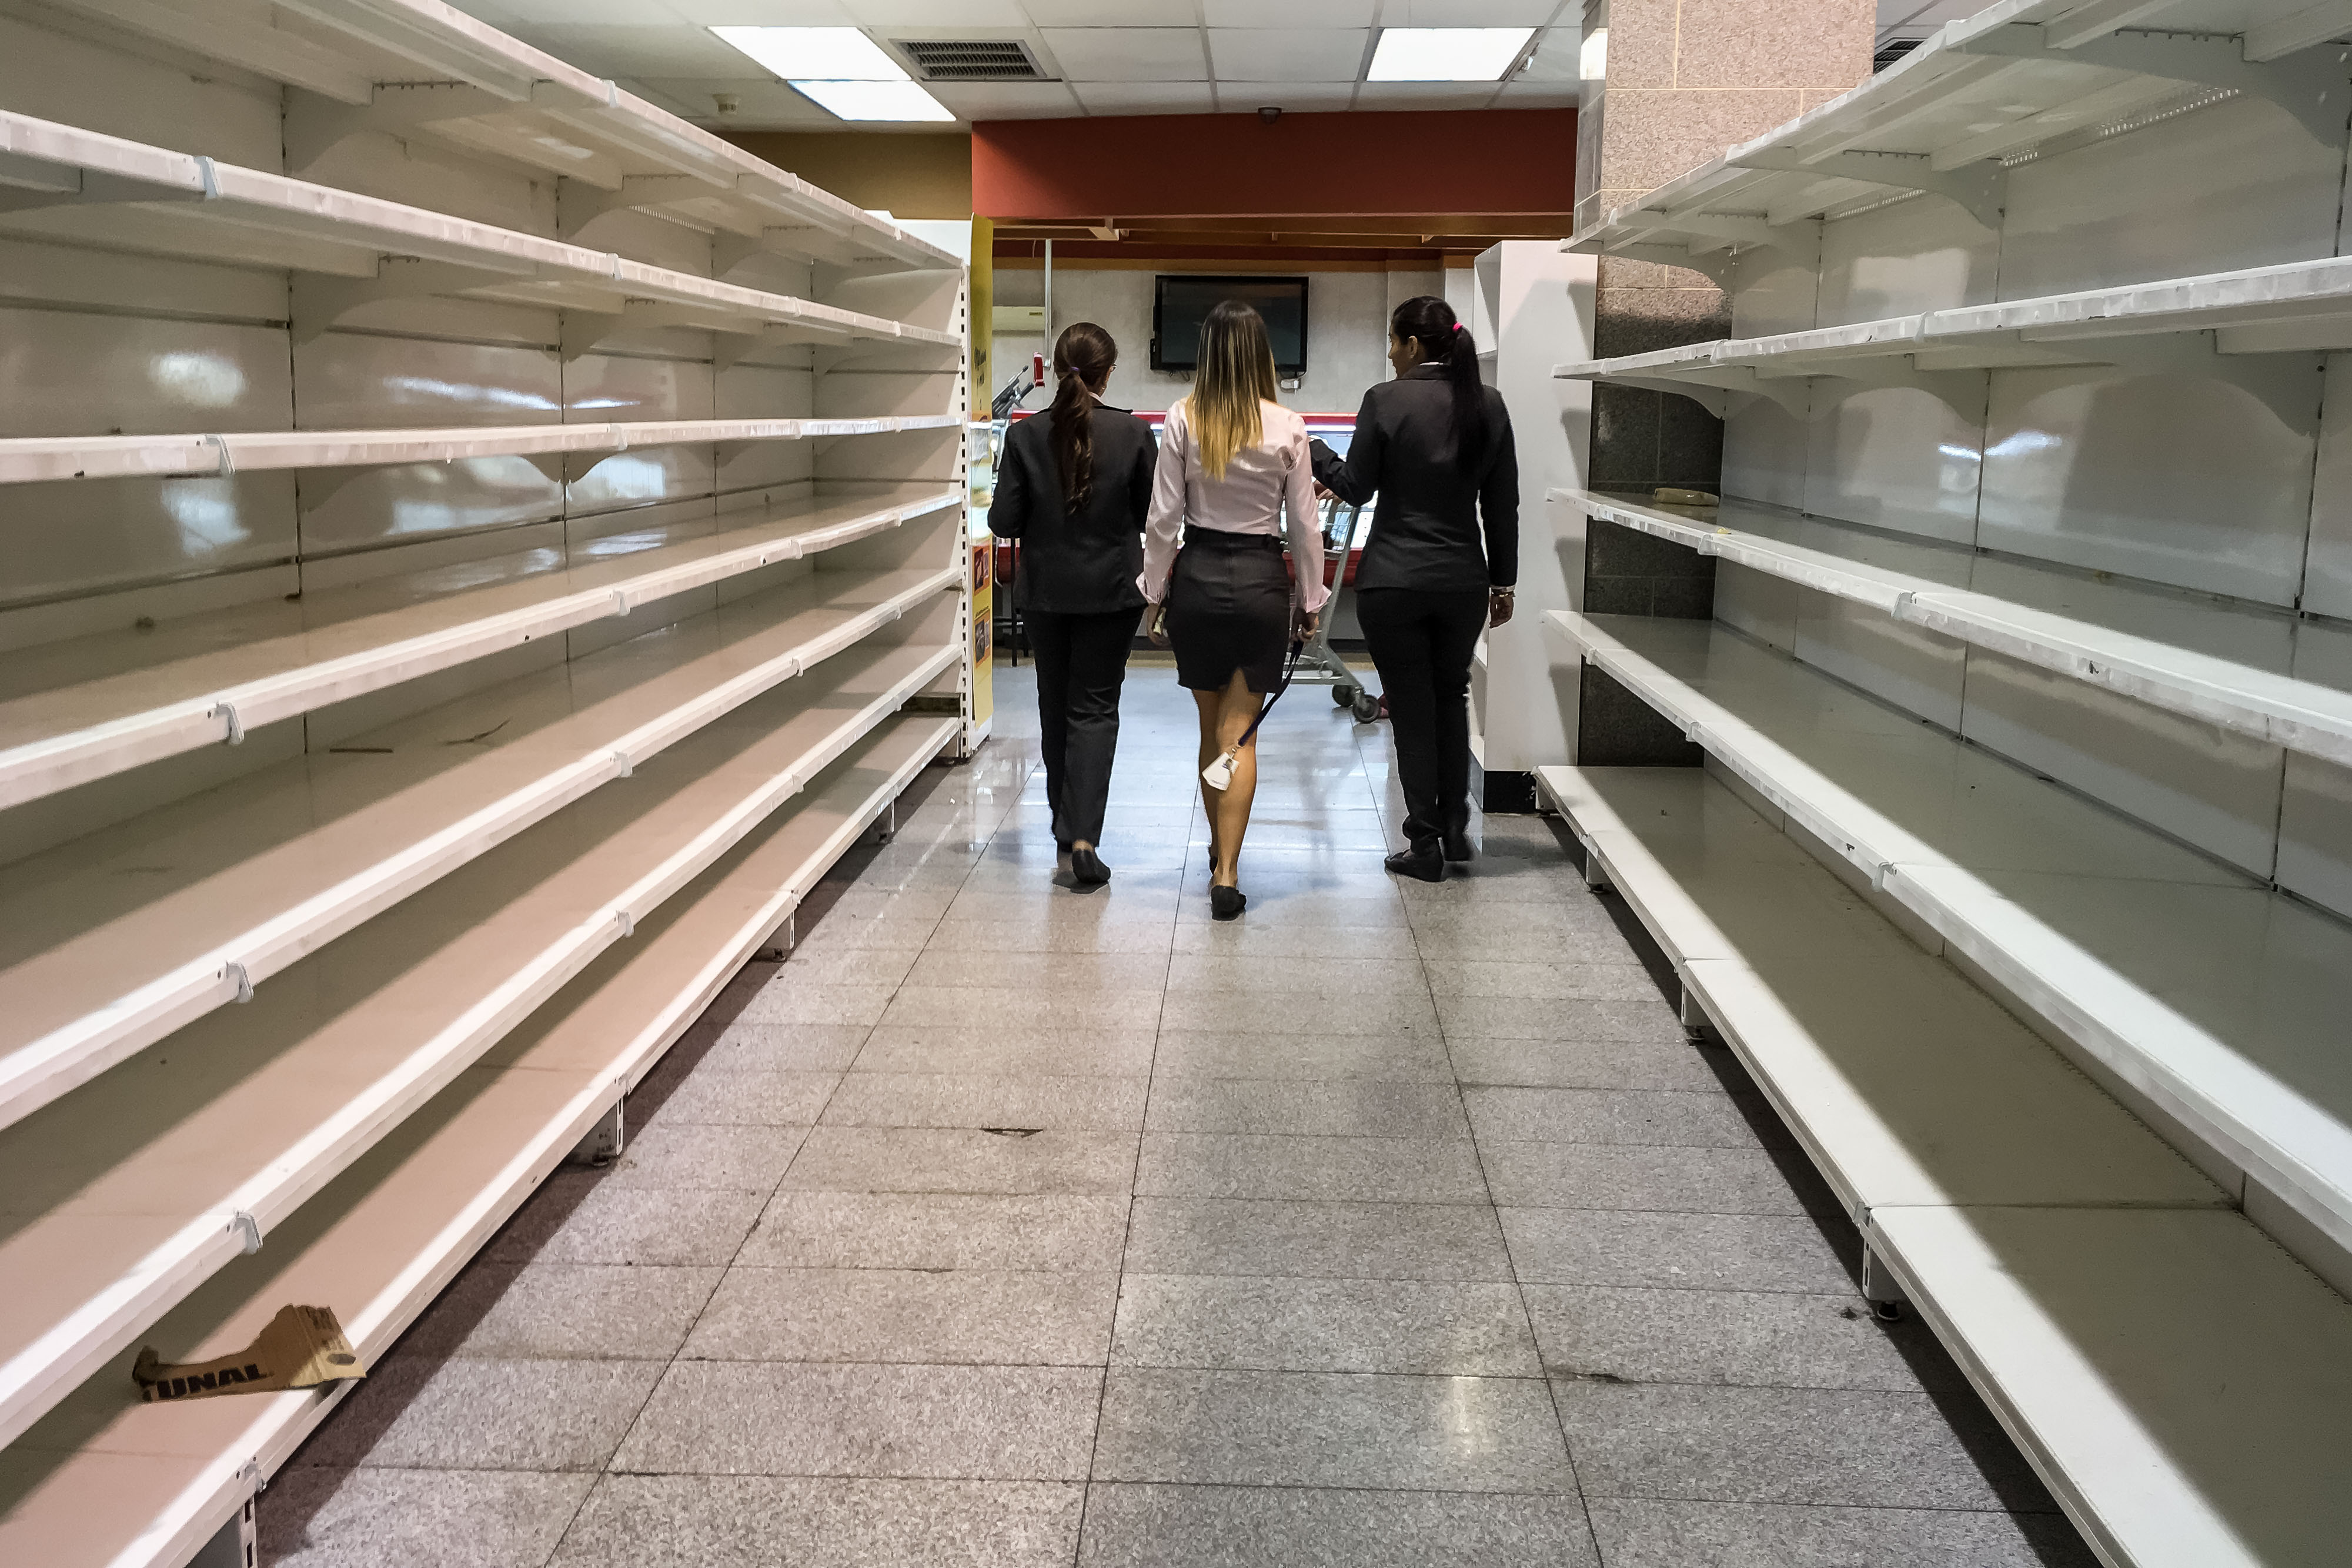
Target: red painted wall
x=1490, y=161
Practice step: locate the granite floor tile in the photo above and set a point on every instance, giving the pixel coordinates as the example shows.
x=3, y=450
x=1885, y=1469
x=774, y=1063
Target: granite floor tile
x=418, y=1413
x=1588, y=1064
x=979, y=1423
x=1838, y=1448
x=938, y=1230
x=1438, y=1328
x=1692, y=1251
x=965, y=1316
x=841, y=931
x=1349, y=1107
x=1329, y=1429
x=1301, y=906
x=1214, y=1053
x=552, y=1312
x=1635, y=1177
x=319, y=1518
x=1650, y=1020
x=783, y=1000
x=923, y=1159
x=720, y=1096
x=578, y=1218
x=1625, y=981
x=809, y=966
x=784, y=1048
x=996, y=1007
x=1267, y=1238
x=1278, y=1013
x=1077, y=934
x=1371, y=1170
x=687, y=1154
x=1763, y=1339
x=1292, y=942
x=1699, y=1117
x=1113, y=1050
x=985, y=1100
x=1043, y=971
x=1288, y=973
x=1637, y=1532
x=760, y=1521
x=1144, y=1526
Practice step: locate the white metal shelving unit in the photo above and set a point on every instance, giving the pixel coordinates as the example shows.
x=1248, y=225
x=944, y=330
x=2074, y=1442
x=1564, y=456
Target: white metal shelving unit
x=2028, y=699
x=343, y=500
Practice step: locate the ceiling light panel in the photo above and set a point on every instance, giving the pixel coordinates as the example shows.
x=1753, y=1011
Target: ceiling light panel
x=815, y=53
x=899, y=102
x=1446, y=54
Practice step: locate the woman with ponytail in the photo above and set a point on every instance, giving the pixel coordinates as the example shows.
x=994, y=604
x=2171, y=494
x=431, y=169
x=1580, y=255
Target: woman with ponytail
x=1441, y=563
x=1073, y=486
x=1231, y=458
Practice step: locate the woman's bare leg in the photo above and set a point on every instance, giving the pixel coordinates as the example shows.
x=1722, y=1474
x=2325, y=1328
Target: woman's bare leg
x=1224, y=715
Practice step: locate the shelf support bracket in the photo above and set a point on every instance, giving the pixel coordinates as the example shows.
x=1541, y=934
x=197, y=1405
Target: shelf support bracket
x=2312, y=86
x=321, y=300
x=1981, y=187
x=1715, y=265
x=316, y=126
x=577, y=205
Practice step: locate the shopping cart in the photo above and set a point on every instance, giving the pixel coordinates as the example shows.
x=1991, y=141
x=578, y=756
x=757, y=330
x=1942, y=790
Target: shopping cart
x=1319, y=663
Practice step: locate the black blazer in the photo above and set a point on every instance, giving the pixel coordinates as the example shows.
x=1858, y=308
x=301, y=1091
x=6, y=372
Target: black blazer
x=1426, y=529
x=1084, y=565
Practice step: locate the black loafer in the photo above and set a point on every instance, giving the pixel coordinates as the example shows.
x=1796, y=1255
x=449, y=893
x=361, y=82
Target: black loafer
x=1226, y=903
x=1086, y=868
x=1422, y=861
x=1457, y=848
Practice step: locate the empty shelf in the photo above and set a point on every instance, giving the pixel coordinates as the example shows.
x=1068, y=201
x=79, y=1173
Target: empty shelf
x=2081, y=628
x=119, y=1198
x=237, y=884
x=27, y=459
x=417, y=66
x=2220, y=999
x=2182, y=1384
x=149, y=198
x=80, y=710
x=1940, y=120
x=104, y=1480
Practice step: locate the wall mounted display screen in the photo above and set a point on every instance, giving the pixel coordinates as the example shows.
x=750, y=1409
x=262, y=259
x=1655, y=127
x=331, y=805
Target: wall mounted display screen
x=1181, y=301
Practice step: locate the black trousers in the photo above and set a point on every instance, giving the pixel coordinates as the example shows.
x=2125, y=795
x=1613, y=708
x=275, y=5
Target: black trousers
x=1421, y=641
x=1081, y=664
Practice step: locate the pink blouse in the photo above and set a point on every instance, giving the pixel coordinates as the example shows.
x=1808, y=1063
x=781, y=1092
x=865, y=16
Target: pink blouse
x=1247, y=500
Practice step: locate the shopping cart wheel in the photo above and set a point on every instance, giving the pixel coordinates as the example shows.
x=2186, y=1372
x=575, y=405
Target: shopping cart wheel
x=1345, y=693
x=1367, y=707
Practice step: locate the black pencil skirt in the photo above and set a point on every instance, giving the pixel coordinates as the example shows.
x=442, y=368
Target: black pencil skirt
x=1229, y=609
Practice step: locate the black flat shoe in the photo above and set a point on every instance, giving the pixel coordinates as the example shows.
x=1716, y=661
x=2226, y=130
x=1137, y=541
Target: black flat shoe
x=1457, y=847
x=1422, y=861
x=1086, y=869
x=1226, y=903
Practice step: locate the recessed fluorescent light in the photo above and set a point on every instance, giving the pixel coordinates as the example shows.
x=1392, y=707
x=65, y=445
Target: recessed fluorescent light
x=815, y=53
x=1446, y=54
x=894, y=100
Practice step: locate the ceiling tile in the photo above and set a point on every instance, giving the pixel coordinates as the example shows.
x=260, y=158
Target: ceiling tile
x=1297, y=96
x=1537, y=95
x=762, y=105
x=1128, y=54
x=1558, y=57
x=764, y=13
x=1006, y=99
x=1111, y=13
x=1145, y=98
x=1424, y=95
x=1287, y=53
x=938, y=12
x=1293, y=14
x=1472, y=13
x=671, y=51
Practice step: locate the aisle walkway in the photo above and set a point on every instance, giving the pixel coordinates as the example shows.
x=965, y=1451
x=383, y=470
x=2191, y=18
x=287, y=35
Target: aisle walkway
x=1008, y=1226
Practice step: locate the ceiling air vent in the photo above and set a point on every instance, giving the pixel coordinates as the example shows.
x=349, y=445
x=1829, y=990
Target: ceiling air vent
x=1893, y=50
x=976, y=59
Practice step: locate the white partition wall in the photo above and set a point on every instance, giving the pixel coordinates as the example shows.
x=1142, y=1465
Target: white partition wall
x=2028, y=645
x=473, y=549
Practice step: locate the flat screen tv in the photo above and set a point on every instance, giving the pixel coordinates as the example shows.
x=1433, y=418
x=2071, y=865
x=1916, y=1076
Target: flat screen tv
x=1181, y=301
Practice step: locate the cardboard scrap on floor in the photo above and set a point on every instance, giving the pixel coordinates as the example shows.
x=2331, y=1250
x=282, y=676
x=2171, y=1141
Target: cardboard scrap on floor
x=302, y=1348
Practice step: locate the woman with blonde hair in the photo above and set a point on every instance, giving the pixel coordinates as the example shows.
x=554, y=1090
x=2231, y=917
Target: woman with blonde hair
x=1230, y=457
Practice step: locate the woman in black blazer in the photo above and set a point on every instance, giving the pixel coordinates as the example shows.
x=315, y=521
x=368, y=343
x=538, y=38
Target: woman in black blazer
x=1073, y=487
x=1436, y=444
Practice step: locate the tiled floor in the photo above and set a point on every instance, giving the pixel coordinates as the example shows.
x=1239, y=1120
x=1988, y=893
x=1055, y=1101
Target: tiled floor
x=1006, y=1225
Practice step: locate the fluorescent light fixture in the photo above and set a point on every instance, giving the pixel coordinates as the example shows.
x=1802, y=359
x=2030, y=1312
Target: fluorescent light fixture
x=1446, y=54
x=892, y=101
x=815, y=53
